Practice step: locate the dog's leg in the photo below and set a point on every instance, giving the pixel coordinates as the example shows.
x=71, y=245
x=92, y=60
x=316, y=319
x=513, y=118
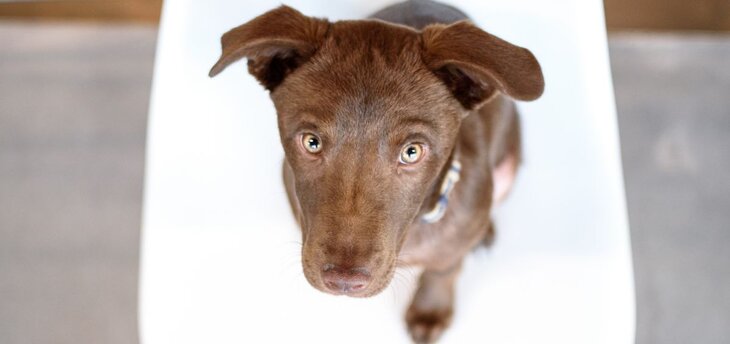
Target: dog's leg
x=432, y=307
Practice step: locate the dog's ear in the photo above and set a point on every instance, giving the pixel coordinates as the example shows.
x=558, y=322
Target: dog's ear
x=275, y=44
x=474, y=65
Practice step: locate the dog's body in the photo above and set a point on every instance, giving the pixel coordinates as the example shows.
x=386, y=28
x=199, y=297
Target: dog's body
x=373, y=118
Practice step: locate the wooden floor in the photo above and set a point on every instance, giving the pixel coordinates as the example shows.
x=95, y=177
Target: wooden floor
x=140, y=11
x=677, y=15
x=73, y=105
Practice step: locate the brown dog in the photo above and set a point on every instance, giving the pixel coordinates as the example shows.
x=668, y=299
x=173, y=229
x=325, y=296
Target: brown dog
x=398, y=133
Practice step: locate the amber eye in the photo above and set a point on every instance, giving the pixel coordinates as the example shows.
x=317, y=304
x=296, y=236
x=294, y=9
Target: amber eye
x=311, y=143
x=411, y=153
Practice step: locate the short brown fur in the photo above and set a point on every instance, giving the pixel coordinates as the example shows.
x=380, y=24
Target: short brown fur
x=366, y=89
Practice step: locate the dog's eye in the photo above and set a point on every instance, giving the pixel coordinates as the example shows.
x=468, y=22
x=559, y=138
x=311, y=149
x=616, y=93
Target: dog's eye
x=311, y=143
x=411, y=153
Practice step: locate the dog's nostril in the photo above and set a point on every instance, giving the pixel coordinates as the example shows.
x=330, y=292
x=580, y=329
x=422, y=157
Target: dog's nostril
x=344, y=281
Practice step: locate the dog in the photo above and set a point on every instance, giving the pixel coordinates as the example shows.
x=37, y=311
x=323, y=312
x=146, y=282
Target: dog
x=400, y=132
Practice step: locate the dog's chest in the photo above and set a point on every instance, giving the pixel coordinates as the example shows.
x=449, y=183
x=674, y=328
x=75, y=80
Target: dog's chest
x=426, y=245
x=440, y=245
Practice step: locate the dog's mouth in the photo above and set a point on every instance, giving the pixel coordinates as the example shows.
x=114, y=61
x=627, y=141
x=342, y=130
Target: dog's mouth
x=353, y=284
x=348, y=280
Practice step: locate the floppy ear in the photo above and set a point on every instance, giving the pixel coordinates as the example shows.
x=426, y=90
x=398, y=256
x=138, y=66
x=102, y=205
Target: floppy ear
x=275, y=44
x=474, y=65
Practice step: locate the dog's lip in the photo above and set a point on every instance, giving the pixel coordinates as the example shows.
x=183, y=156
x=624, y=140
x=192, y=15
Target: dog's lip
x=363, y=292
x=368, y=291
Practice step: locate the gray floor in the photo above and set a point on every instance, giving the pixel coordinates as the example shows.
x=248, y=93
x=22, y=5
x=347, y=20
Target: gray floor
x=73, y=103
x=673, y=97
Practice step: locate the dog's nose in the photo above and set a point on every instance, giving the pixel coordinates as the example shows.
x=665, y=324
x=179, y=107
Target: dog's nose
x=341, y=280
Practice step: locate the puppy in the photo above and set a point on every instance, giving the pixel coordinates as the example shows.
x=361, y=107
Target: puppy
x=399, y=132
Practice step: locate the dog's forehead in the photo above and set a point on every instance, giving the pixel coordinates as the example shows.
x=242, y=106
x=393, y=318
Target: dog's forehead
x=365, y=50
x=366, y=72
x=355, y=95
x=373, y=63
x=391, y=41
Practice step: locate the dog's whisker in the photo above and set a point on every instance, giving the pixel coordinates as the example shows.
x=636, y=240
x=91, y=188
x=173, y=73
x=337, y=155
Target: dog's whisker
x=397, y=287
x=295, y=242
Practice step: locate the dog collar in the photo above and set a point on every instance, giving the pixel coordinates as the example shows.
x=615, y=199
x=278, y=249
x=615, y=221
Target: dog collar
x=450, y=179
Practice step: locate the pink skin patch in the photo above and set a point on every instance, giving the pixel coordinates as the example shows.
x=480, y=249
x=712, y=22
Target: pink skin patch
x=503, y=177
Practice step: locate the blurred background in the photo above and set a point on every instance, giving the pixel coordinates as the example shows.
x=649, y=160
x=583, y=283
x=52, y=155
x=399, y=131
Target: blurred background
x=75, y=81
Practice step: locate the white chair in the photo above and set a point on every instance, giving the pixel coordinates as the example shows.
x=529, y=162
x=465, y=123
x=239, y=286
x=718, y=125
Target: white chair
x=220, y=251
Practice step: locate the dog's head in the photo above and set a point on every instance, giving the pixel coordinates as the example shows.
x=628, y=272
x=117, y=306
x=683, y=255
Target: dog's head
x=368, y=115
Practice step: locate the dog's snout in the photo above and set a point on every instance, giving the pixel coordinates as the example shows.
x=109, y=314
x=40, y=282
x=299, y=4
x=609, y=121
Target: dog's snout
x=339, y=280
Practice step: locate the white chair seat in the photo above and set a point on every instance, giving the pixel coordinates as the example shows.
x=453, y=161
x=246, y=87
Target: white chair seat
x=220, y=253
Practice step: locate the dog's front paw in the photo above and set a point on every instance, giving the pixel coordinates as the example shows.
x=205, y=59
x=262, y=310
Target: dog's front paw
x=426, y=326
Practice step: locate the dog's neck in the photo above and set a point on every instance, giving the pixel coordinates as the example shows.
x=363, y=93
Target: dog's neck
x=441, y=191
